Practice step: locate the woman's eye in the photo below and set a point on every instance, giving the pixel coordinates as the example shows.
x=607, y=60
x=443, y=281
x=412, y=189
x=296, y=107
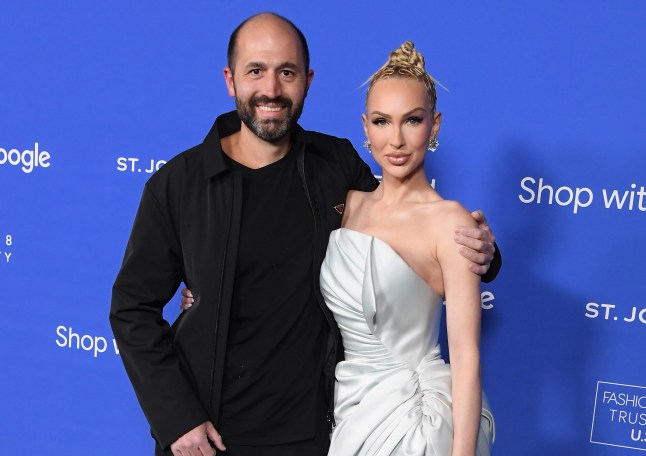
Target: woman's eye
x=414, y=121
x=379, y=121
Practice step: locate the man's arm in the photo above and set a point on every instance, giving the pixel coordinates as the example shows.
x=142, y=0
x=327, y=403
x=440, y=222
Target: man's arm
x=358, y=173
x=148, y=279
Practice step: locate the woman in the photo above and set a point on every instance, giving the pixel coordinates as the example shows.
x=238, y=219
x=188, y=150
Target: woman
x=384, y=276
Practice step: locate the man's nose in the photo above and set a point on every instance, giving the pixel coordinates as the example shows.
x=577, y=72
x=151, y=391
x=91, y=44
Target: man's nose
x=272, y=86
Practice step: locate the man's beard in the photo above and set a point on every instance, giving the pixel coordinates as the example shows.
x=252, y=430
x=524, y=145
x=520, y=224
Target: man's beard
x=271, y=130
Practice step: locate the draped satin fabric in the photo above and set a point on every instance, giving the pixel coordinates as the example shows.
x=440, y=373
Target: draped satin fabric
x=393, y=392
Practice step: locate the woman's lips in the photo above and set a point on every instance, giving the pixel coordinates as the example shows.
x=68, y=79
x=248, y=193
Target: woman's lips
x=397, y=158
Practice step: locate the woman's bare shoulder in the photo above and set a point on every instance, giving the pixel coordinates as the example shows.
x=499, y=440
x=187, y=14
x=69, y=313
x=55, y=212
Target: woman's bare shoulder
x=353, y=202
x=356, y=195
x=453, y=213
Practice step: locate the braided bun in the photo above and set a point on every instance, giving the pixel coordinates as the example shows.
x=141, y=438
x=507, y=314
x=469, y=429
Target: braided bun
x=406, y=62
x=406, y=55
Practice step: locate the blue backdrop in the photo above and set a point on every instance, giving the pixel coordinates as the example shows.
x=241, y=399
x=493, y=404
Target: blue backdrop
x=543, y=129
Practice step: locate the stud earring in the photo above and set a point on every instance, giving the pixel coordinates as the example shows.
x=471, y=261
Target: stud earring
x=367, y=145
x=433, y=144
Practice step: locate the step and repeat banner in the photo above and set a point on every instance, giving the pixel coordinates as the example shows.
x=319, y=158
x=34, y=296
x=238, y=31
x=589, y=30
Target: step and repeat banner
x=543, y=129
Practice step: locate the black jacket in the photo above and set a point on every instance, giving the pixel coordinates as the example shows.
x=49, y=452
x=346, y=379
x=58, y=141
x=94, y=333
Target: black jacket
x=186, y=230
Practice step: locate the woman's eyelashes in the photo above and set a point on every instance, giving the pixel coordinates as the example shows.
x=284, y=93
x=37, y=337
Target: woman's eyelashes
x=413, y=120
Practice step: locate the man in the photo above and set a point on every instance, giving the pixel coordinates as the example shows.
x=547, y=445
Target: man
x=243, y=220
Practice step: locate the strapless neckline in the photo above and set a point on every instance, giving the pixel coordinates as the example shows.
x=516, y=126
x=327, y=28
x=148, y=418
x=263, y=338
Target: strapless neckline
x=384, y=243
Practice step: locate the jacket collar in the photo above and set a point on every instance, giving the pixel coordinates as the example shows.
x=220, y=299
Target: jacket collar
x=225, y=125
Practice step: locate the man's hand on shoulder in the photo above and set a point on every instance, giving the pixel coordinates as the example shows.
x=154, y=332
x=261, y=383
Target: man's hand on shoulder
x=198, y=442
x=477, y=244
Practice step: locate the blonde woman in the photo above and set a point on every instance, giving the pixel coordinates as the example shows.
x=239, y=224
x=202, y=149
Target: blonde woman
x=384, y=277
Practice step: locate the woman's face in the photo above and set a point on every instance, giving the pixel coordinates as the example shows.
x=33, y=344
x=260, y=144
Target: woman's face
x=398, y=124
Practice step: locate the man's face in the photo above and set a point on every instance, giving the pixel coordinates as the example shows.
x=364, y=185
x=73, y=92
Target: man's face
x=269, y=80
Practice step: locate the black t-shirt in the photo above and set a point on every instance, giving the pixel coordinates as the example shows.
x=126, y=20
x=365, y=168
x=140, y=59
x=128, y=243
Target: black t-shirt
x=272, y=388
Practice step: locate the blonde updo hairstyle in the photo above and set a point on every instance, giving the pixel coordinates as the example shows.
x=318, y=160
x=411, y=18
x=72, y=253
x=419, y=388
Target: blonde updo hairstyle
x=406, y=62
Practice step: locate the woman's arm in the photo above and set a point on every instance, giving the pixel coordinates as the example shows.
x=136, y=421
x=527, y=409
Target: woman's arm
x=462, y=293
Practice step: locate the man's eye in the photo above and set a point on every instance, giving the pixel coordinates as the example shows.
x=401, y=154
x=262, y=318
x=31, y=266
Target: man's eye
x=288, y=73
x=255, y=71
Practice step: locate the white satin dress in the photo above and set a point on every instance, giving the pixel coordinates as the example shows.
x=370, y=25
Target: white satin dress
x=393, y=392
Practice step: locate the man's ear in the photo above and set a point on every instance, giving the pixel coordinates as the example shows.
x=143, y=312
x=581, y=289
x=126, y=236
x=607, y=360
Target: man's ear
x=310, y=76
x=228, y=80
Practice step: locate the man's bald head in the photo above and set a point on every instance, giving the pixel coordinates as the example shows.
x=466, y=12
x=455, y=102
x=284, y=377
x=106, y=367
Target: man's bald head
x=262, y=20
